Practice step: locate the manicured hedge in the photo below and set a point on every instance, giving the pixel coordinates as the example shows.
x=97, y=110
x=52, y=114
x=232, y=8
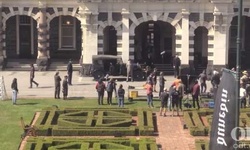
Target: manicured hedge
x=39, y=143
x=197, y=128
x=201, y=144
x=94, y=121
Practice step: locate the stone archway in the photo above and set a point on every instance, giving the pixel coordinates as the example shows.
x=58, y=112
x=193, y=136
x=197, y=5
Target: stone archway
x=154, y=42
x=245, y=51
x=200, y=47
x=65, y=37
x=210, y=47
x=21, y=37
x=109, y=41
x=165, y=17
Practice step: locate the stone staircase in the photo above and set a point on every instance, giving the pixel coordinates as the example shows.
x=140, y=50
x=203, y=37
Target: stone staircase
x=61, y=65
x=19, y=64
x=166, y=68
x=24, y=65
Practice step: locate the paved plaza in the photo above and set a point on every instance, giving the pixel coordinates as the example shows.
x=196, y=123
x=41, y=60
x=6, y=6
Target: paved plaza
x=82, y=86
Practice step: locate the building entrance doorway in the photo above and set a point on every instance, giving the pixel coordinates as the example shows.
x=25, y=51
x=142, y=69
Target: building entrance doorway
x=154, y=43
x=245, y=48
x=109, y=45
x=25, y=42
x=200, y=47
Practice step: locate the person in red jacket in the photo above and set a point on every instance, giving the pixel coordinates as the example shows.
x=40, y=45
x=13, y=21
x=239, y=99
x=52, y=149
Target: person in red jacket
x=195, y=94
x=149, y=91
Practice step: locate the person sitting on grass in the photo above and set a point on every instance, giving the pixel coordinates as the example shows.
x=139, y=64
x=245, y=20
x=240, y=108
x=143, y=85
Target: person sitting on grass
x=164, y=101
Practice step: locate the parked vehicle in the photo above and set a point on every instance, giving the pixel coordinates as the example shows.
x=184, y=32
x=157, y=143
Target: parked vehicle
x=101, y=67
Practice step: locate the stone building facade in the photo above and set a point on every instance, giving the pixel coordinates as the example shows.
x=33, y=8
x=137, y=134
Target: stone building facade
x=201, y=32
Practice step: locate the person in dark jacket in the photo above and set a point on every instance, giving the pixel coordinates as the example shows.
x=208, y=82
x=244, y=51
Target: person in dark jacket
x=162, y=81
x=14, y=91
x=176, y=65
x=57, y=85
x=32, y=76
x=175, y=100
x=70, y=72
x=154, y=79
x=110, y=88
x=120, y=94
x=100, y=88
x=164, y=101
x=65, y=87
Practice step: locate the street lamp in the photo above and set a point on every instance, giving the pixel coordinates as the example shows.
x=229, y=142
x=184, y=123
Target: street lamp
x=238, y=68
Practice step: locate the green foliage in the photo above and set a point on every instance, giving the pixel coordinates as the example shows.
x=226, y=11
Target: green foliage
x=90, y=143
x=11, y=130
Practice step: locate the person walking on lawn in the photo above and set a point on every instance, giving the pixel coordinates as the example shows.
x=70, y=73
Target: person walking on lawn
x=14, y=91
x=162, y=81
x=196, y=94
x=149, y=91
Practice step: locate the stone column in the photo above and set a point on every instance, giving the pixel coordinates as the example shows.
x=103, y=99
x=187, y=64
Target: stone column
x=1, y=41
x=125, y=35
x=221, y=34
x=89, y=26
x=185, y=39
x=42, y=58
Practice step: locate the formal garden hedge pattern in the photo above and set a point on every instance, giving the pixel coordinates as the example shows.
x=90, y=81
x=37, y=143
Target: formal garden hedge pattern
x=91, y=143
x=199, y=122
x=95, y=122
x=201, y=144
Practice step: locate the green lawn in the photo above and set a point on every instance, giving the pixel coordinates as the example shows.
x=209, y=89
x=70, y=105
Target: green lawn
x=10, y=126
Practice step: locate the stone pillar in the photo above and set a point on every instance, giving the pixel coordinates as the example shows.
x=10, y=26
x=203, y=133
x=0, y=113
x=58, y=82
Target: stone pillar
x=125, y=35
x=89, y=26
x=42, y=58
x=1, y=41
x=185, y=39
x=221, y=34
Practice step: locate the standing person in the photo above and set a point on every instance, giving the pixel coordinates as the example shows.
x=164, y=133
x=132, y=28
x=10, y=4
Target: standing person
x=180, y=89
x=32, y=76
x=154, y=79
x=57, y=85
x=175, y=100
x=130, y=70
x=195, y=94
x=70, y=72
x=14, y=91
x=170, y=98
x=164, y=101
x=121, y=93
x=244, y=80
x=203, y=79
x=149, y=91
x=242, y=96
x=176, y=65
x=215, y=80
x=100, y=88
x=162, y=81
x=110, y=88
x=65, y=87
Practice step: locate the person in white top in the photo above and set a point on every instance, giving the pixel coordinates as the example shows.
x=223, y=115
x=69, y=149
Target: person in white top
x=242, y=96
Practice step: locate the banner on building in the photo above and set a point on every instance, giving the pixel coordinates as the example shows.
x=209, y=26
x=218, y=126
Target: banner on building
x=224, y=113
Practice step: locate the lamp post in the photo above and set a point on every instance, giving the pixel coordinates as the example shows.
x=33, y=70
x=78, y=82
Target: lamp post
x=238, y=68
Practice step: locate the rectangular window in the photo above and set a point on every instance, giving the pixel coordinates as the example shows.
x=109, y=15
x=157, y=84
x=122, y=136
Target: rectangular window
x=67, y=33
